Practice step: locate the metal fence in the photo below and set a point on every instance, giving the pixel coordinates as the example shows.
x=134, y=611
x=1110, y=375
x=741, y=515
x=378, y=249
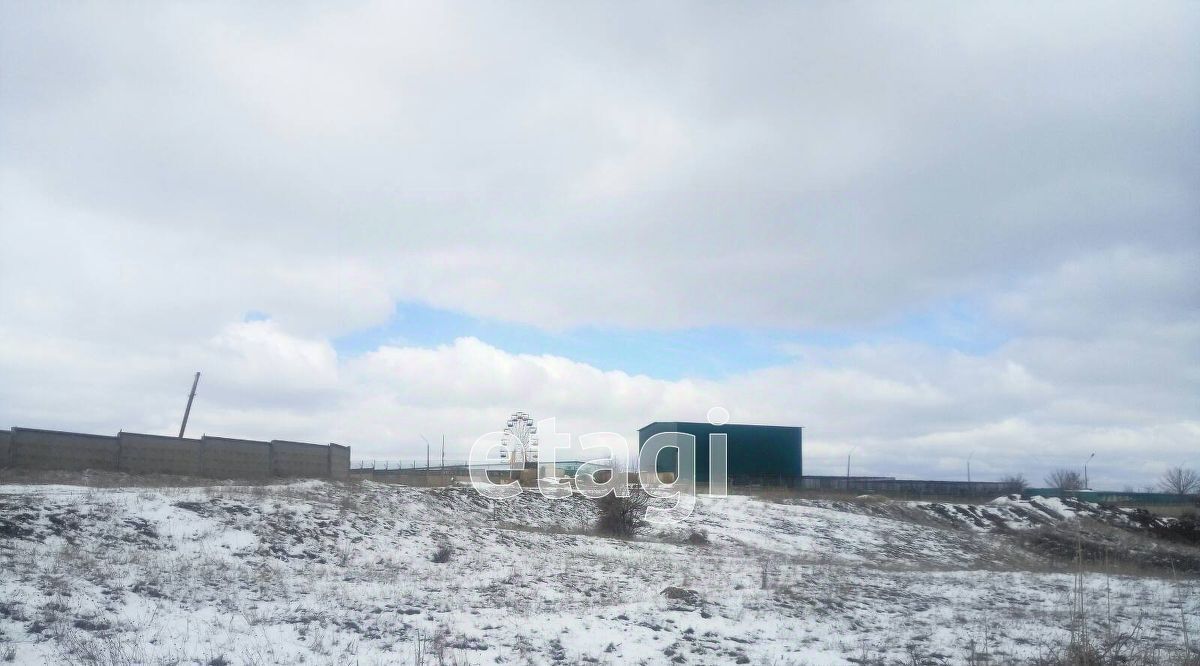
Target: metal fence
x=407, y=463
x=1113, y=497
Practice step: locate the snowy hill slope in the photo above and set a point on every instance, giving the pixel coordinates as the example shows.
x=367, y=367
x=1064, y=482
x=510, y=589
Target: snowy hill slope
x=1003, y=513
x=315, y=572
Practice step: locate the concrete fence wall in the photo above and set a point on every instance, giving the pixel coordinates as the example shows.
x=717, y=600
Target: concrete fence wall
x=299, y=459
x=159, y=454
x=138, y=453
x=230, y=458
x=339, y=462
x=52, y=449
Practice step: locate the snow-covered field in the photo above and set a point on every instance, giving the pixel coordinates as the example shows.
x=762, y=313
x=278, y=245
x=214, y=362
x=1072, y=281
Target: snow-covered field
x=316, y=573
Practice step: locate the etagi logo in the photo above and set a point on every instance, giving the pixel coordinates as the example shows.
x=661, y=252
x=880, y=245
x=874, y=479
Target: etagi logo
x=601, y=472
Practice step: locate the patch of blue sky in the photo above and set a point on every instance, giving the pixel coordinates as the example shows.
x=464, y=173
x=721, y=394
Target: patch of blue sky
x=959, y=325
x=702, y=353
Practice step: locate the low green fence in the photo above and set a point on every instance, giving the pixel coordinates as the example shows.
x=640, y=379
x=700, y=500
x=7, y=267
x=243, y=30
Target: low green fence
x=1111, y=497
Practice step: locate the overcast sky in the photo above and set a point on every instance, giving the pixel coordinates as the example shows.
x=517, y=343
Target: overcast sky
x=921, y=231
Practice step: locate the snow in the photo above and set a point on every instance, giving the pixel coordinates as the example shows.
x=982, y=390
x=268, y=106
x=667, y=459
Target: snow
x=319, y=572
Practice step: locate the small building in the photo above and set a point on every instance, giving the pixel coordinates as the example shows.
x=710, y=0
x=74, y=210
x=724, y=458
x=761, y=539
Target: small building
x=756, y=453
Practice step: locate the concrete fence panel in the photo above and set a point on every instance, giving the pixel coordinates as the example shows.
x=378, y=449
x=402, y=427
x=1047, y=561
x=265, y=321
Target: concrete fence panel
x=339, y=462
x=159, y=454
x=140, y=453
x=53, y=449
x=228, y=458
x=299, y=459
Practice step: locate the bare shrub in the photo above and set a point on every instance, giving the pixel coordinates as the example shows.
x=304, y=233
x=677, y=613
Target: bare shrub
x=1015, y=483
x=768, y=571
x=621, y=517
x=1180, y=481
x=87, y=649
x=443, y=554
x=1065, y=479
x=1127, y=648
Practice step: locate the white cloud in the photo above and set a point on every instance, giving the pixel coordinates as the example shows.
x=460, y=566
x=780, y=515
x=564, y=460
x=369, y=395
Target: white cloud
x=911, y=411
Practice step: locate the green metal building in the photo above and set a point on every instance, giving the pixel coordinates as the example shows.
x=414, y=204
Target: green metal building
x=757, y=453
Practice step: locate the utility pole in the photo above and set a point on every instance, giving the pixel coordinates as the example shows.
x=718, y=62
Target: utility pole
x=1086, y=485
x=969, y=467
x=187, y=412
x=443, y=452
x=426, y=451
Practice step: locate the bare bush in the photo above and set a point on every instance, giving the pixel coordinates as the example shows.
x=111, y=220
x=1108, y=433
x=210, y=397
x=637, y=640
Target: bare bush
x=1065, y=479
x=443, y=554
x=622, y=517
x=1015, y=483
x=1123, y=648
x=1180, y=481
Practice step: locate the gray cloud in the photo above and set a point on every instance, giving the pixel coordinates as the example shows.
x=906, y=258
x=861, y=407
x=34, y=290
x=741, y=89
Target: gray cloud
x=870, y=159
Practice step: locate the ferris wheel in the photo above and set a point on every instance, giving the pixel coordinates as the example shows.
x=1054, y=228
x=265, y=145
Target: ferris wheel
x=519, y=442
